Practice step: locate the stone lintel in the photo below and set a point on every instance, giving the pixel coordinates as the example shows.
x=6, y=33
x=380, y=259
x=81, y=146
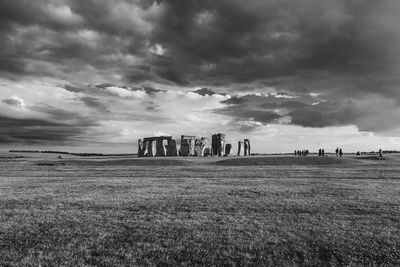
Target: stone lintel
x=155, y=138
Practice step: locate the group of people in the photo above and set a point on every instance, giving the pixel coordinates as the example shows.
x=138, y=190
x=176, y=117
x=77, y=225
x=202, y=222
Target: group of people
x=321, y=152
x=339, y=152
x=303, y=152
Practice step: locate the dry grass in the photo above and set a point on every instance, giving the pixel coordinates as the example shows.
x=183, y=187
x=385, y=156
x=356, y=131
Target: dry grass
x=188, y=212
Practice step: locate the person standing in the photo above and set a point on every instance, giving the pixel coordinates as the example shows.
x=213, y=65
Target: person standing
x=380, y=153
x=337, y=152
x=340, y=152
x=323, y=152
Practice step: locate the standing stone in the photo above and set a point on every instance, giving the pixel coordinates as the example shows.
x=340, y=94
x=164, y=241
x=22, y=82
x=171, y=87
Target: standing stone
x=198, y=150
x=145, y=147
x=187, y=145
x=171, y=148
x=191, y=147
x=151, y=148
x=184, y=150
x=154, y=148
x=247, y=147
x=221, y=146
x=140, y=148
x=240, y=148
x=199, y=147
x=228, y=149
x=218, y=144
x=161, y=150
x=214, y=147
x=207, y=152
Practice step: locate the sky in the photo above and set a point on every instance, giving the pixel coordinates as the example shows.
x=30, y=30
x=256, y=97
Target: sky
x=96, y=75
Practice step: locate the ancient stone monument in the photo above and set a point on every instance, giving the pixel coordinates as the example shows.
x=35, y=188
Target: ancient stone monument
x=247, y=147
x=171, y=148
x=244, y=148
x=218, y=144
x=240, y=148
x=200, y=146
x=151, y=148
x=159, y=146
x=162, y=146
x=228, y=149
x=187, y=145
x=141, y=150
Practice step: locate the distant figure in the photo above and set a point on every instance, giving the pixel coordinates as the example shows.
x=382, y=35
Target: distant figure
x=323, y=152
x=358, y=153
x=319, y=152
x=60, y=157
x=380, y=153
x=295, y=152
x=337, y=152
x=340, y=152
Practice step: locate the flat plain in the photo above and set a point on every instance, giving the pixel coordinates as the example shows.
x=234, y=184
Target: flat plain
x=267, y=210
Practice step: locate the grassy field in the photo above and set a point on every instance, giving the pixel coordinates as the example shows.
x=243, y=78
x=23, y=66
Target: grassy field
x=186, y=211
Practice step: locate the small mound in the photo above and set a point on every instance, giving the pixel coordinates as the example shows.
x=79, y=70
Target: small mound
x=53, y=163
x=135, y=162
x=10, y=156
x=282, y=160
x=370, y=158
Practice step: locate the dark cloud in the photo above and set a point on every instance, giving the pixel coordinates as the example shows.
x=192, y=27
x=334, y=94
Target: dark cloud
x=13, y=102
x=95, y=103
x=235, y=100
x=327, y=58
x=38, y=131
x=204, y=91
x=262, y=116
x=73, y=118
x=72, y=88
x=372, y=115
x=151, y=91
x=152, y=106
x=371, y=112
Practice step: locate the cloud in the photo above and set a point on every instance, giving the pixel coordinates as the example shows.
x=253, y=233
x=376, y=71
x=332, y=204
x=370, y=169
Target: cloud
x=37, y=131
x=94, y=103
x=205, y=91
x=175, y=64
x=15, y=101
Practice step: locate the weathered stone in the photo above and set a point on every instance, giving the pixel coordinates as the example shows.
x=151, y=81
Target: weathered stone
x=150, y=148
x=198, y=150
x=184, y=150
x=247, y=147
x=228, y=149
x=155, y=146
x=240, y=148
x=161, y=147
x=200, y=145
x=171, y=148
x=140, y=148
x=214, y=141
x=191, y=147
x=187, y=145
x=218, y=144
x=207, y=152
x=145, y=146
